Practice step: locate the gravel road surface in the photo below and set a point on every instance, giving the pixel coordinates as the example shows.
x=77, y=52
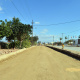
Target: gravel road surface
x=40, y=63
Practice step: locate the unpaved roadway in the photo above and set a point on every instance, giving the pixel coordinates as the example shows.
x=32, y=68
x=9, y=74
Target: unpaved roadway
x=40, y=63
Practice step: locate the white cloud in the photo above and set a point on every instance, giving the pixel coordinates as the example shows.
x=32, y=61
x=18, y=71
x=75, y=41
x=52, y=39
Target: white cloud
x=37, y=22
x=44, y=31
x=1, y=8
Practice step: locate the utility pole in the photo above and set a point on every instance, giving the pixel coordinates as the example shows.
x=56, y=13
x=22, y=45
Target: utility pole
x=62, y=41
x=53, y=39
x=62, y=37
x=68, y=37
x=32, y=32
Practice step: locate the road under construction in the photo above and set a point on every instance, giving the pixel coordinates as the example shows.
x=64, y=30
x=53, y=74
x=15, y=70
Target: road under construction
x=40, y=63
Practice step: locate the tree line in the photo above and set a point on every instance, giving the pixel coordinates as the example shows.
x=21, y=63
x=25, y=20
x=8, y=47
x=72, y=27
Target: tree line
x=17, y=34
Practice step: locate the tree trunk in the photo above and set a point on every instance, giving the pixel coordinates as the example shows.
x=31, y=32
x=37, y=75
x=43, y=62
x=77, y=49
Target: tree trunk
x=0, y=46
x=20, y=43
x=14, y=44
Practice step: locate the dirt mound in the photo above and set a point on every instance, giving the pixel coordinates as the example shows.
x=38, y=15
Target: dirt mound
x=7, y=51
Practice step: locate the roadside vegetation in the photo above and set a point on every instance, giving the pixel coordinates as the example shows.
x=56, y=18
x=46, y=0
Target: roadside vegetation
x=17, y=34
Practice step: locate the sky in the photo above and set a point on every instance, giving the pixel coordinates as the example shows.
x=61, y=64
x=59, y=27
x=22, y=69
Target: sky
x=46, y=15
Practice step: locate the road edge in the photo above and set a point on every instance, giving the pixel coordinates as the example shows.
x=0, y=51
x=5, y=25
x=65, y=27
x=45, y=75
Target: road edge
x=6, y=56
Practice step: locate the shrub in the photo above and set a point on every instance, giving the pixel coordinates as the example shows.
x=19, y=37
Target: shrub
x=26, y=44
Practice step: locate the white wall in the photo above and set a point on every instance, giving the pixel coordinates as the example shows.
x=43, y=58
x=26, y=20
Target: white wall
x=76, y=41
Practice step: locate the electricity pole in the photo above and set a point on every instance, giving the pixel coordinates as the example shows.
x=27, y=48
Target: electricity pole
x=62, y=41
x=62, y=37
x=68, y=37
x=32, y=32
x=53, y=39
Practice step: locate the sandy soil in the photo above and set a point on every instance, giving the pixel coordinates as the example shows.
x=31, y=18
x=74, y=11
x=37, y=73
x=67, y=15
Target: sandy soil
x=7, y=51
x=40, y=63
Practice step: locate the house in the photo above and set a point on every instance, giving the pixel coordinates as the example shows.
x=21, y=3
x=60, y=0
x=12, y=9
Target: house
x=77, y=42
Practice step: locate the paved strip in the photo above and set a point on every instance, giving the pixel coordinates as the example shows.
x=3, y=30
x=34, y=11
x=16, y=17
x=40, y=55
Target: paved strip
x=69, y=48
x=66, y=52
x=40, y=63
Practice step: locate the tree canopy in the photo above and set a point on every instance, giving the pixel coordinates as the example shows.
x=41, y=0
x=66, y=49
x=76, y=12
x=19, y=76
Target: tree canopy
x=16, y=31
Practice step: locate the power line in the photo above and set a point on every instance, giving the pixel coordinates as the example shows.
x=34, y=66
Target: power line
x=28, y=9
x=69, y=32
x=59, y=23
x=17, y=9
x=23, y=7
x=72, y=31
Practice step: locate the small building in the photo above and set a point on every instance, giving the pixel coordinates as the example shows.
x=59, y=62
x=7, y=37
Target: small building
x=77, y=42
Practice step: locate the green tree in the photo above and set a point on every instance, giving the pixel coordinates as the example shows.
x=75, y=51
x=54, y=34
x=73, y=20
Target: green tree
x=15, y=31
x=35, y=39
x=39, y=42
x=43, y=43
x=60, y=39
x=2, y=28
x=13, y=25
x=20, y=31
x=65, y=38
x=24, y=32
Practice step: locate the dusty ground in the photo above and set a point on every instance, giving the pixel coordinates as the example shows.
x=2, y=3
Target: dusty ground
x=7, y=51
x=40, y=63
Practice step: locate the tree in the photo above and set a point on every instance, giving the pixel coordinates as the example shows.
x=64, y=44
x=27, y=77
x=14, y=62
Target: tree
x=15, y=31
x=65, y=38
x=39, y=42
x=2, y=28
x=20, y=31
x=60, y=39
x=35, y=39
x=43, y=43
x=24, y=32
x=68, y=42
x=8, y=29
x=14, y=27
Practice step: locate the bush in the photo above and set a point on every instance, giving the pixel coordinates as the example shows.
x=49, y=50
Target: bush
x=26, y=44
x=14, y=45
x=11, y=45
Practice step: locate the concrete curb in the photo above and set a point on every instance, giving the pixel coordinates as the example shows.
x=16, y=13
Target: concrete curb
x=69, y=53
x=4, y=57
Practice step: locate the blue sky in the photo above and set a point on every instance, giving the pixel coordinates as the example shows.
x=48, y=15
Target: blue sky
x=45, y=12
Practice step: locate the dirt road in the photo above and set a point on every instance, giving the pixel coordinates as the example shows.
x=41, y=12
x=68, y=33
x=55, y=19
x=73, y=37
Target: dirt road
x=40, y=63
